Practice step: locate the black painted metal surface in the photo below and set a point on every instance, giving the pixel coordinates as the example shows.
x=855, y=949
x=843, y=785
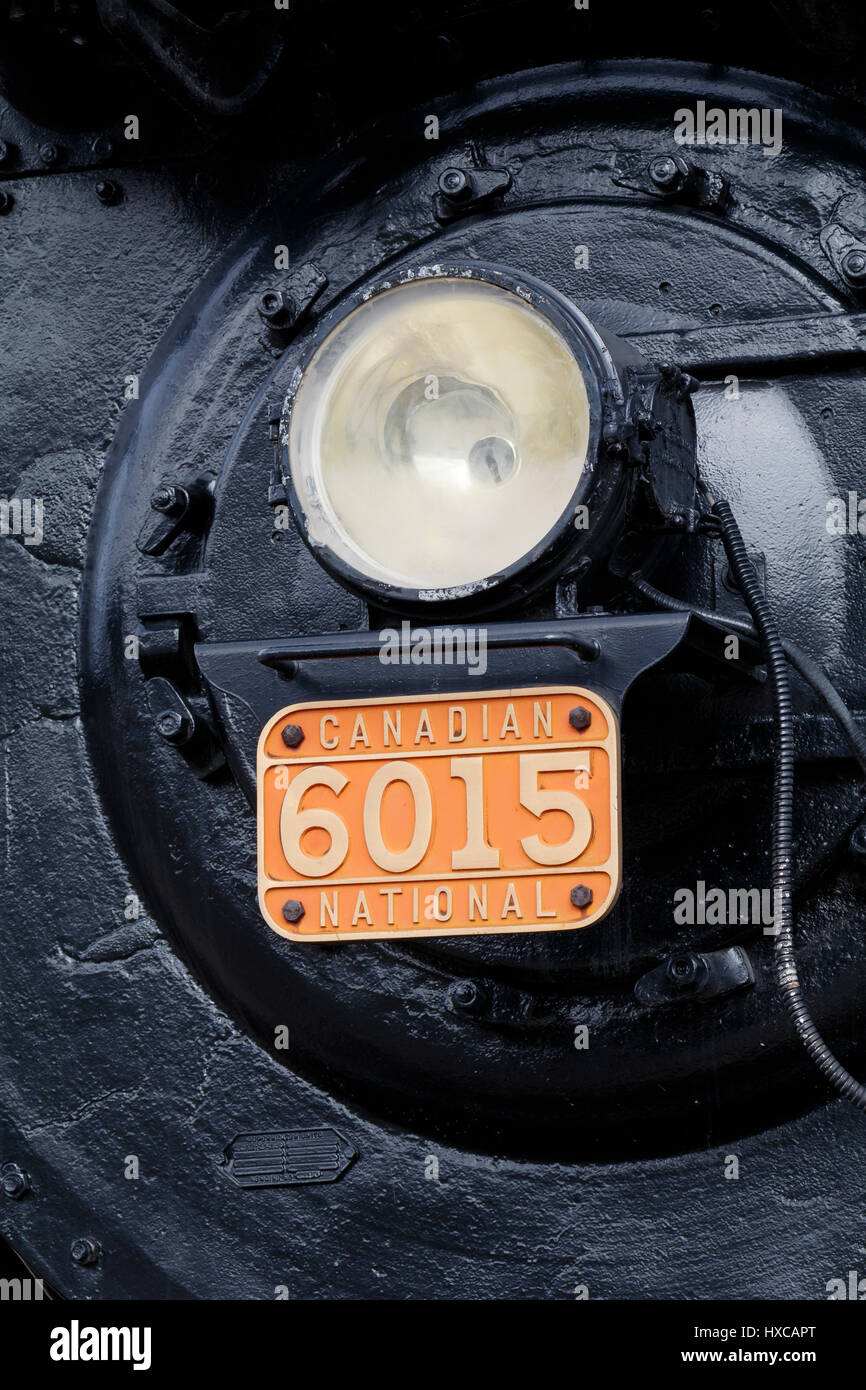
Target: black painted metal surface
x=142, y=993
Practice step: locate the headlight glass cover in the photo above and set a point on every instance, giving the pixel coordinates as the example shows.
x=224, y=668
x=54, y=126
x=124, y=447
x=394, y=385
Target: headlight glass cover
x=438, y=434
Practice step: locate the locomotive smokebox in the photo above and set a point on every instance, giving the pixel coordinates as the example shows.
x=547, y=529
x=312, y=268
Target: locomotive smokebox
x=432, y=683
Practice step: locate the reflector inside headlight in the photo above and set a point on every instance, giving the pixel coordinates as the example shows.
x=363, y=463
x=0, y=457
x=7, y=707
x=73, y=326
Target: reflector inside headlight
x=438, y=434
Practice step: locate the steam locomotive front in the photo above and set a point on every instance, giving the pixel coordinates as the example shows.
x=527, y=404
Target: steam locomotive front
x=458, y=598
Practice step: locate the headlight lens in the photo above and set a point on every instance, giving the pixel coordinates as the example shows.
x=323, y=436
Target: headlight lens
x=438, y=434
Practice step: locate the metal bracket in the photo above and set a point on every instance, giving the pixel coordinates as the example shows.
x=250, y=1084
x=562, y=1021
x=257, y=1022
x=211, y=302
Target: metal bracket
x=693, y=975
x=673, y=178
x=175, y=508
x=846, y=252
x=282, y=308
x=188, y=729
x=777, y=344
x=249, y=681
x=461, y=191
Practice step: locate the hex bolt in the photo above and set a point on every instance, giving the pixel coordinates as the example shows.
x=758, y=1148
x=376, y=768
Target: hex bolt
x=49, y=154
x=293, y=735
x=664, y=172
x=108, y=192
x=667, y=173
x=293, y=910
x=579, y=718
x=84, y=1251
x=854, y=266
x=580, y=895
x=467, y=996
x=7, y=202
x=173, y=726
x=166, y=499
x=455, y=185
x=14, y=1181
x=685, y=969
x=276, y=307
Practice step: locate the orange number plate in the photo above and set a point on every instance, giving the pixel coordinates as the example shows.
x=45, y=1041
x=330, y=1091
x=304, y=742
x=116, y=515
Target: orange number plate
x=439, y=815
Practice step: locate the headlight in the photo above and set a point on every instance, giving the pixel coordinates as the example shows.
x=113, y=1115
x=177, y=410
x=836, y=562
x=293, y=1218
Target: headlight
x=452, y=432
x=439, y=434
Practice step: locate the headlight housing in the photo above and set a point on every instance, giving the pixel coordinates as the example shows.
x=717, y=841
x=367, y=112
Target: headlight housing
x=455, y=432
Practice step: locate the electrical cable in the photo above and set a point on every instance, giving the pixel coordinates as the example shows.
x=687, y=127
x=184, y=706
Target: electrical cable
x=777, y=654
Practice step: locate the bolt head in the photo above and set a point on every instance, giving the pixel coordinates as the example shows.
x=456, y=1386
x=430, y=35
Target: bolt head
x=664, y=172
x=276, y=307
x=466, y=996
x=14, y=1181
x=174, y=726
x=293, y=735
x=854, y=266
x=579, y=718
x=102, y=147
x=293, y=910
x=580, y=895
x=108, y=192
x=454, y=184
x=7, y=202
x=163, y=499
x=49, y=154
x=84, y=1251
x=684, y=969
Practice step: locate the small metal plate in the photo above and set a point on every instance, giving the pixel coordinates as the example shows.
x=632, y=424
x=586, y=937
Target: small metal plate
x=287, y=1158
x=439, y=815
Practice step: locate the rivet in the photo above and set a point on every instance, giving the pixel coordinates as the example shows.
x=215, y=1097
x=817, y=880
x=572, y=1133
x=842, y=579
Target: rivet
x=108, y=192
x=14, y=1181
x=467, y=996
